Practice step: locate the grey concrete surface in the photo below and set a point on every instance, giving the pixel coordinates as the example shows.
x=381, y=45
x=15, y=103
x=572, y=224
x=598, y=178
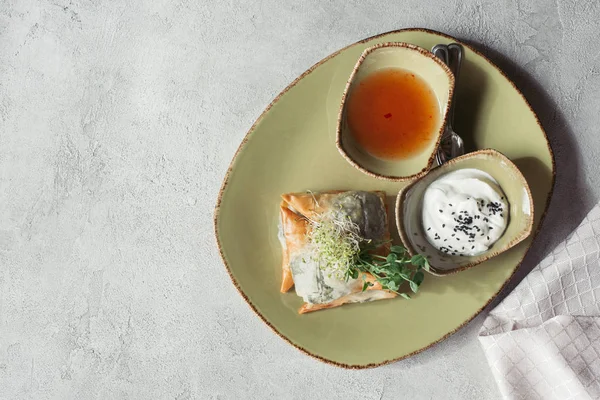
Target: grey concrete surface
x=118, y=120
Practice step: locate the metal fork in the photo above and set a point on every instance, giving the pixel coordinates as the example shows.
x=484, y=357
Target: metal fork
x=451, y=144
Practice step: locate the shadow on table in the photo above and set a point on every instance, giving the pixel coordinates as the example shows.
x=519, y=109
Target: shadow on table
x=571, y=200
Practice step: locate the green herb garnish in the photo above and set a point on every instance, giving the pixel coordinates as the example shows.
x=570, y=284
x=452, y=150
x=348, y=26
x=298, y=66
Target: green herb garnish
x=391, y=271
x=343, y=253
x=336, y=243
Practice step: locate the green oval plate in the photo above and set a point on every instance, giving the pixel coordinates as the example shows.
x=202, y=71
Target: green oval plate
x=291, y=148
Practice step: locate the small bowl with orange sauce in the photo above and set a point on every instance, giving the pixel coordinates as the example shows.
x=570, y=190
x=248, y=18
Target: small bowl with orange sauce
x=394, y=110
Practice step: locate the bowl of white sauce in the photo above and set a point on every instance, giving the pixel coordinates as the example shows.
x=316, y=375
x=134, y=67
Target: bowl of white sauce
x=466, y=211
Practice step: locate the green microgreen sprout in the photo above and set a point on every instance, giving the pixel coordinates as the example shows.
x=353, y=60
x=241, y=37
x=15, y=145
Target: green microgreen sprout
x=344, y=254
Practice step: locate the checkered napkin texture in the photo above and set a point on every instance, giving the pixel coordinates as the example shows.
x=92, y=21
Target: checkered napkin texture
x=543, y=340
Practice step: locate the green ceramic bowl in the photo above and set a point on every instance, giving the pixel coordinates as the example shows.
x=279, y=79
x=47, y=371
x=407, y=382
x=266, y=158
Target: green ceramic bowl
x=516, y=190
x=291, y=148
x=410, y=58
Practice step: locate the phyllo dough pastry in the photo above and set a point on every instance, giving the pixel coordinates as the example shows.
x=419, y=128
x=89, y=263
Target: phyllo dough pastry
x=314, y=263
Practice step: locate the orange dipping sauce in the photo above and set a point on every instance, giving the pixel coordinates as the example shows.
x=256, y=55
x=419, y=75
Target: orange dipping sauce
x=393, y=114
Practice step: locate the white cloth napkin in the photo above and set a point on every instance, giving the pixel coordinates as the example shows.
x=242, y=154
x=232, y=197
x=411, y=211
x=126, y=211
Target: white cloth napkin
x=543, y=340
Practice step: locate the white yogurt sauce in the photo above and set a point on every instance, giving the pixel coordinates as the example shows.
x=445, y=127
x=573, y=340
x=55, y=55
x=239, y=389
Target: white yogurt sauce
x=464, y=212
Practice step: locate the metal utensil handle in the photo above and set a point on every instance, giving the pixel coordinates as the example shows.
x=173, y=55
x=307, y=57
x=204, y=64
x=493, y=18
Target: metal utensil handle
x=441, y=52
x=455, y=56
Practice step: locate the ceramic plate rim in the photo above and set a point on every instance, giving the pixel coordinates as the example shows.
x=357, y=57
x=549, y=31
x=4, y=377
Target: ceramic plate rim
x=268, y=108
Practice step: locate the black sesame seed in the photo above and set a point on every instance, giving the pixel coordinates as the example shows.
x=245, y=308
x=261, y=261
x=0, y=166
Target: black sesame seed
x=454, y=234
x=429, y=228
x=488, y=238
x=440, y=210
x=472, y=247
x=443, y=225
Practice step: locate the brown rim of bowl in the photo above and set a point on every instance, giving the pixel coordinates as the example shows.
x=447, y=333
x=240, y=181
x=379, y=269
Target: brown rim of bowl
x=245, y=140
x=399, y=214
x=338, y=137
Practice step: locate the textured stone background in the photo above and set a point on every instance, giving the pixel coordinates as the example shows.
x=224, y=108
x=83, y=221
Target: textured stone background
x=118, y=120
